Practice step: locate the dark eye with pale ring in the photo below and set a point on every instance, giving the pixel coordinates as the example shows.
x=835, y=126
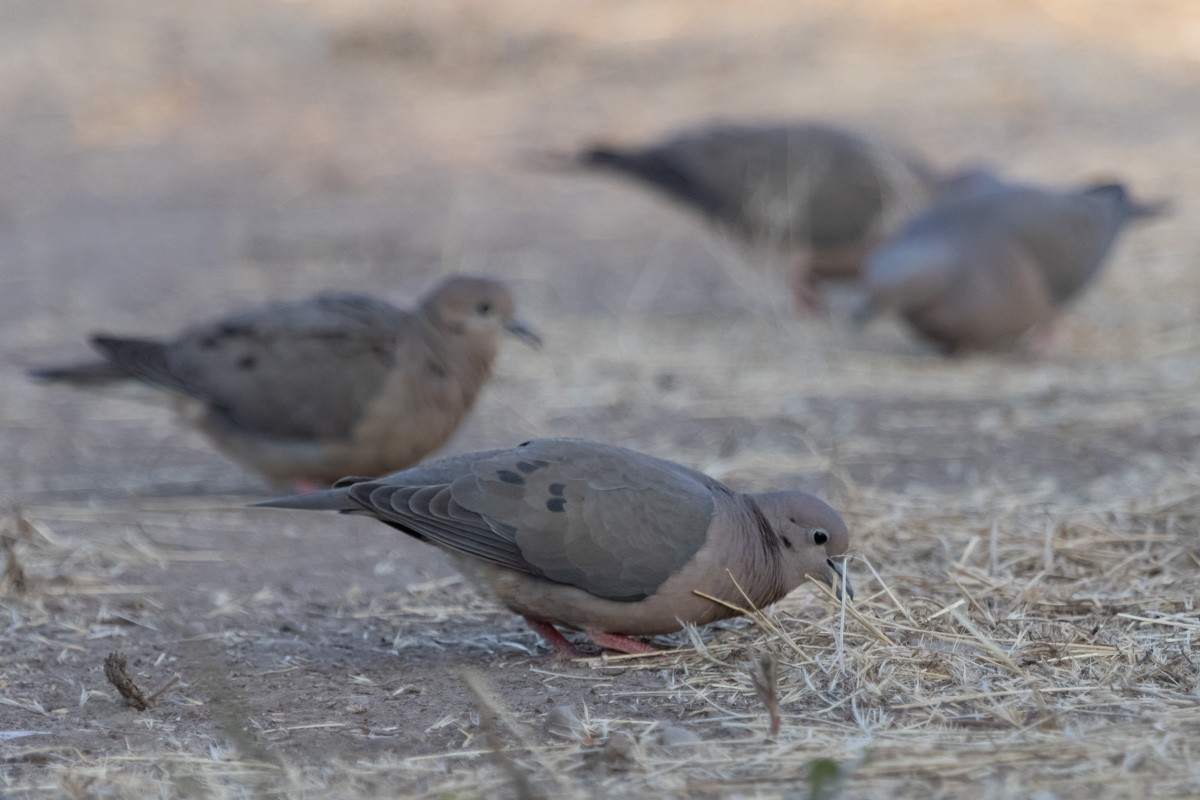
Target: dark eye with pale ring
x=484, y=308
x=819, y=537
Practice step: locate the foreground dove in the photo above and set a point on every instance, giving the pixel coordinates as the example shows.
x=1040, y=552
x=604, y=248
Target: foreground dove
x=328, y=386
x=602, y=539
x=987, y=266
x=818, y=195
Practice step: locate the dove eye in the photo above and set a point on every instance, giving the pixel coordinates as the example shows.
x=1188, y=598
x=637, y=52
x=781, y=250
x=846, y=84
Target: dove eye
x=819, y=537
x=484, y=307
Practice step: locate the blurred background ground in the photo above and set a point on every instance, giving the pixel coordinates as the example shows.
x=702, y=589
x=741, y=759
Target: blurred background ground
x=164, y=162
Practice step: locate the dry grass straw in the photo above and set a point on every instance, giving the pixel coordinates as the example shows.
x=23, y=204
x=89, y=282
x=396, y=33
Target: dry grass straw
x=1006, y=639
x=1025, y=535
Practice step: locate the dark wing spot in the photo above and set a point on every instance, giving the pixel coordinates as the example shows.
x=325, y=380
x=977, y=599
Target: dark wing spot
x=508, y=476
x=208, y=343
x=247, y=362
x=229, y=329
x=557, y=489
x=786, y=542
x=523, y=444
x=436, y=368
x=530, y=466
x=556, y=504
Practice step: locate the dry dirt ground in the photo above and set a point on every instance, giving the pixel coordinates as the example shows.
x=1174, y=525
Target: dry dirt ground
x=1025, y=531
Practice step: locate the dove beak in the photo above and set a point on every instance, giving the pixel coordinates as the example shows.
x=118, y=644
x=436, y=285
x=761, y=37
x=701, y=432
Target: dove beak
x=525, y=333
x=843, y=582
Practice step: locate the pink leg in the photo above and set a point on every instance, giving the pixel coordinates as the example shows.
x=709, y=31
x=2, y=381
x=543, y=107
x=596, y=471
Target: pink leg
x=622, y=644
x=562, y=647
x=1039, y=340
x=305, y=486
x=807, y=297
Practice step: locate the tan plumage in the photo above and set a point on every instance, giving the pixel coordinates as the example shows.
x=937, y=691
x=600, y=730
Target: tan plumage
x=599, y=538
x=328, y=386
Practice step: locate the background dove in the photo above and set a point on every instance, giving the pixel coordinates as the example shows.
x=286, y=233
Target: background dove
x=328, y=386
x=987, y=265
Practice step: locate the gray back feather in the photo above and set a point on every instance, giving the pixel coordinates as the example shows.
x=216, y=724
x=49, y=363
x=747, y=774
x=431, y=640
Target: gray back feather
x=608, y=520
x=303, y=370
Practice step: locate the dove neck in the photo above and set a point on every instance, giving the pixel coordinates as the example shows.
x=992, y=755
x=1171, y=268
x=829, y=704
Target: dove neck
x=752, y=555
x=462, y=355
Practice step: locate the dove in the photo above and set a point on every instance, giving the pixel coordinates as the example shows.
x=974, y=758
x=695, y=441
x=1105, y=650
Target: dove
x=820, y=196
x=336, y=384
x=575, y=534
x=987, y=266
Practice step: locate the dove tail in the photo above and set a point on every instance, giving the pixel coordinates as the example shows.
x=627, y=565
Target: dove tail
x=651, y=167
x=325, y=500
x=143, y=358
x=95, y=373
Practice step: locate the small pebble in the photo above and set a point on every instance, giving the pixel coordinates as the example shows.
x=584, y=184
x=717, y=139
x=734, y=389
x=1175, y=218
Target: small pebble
x=620, y=751
x=673, y=735
x=562, y=722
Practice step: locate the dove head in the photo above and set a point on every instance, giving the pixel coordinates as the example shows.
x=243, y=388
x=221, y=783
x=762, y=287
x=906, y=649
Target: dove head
x=813, y=538
x=477, y=307
x=1122, y=206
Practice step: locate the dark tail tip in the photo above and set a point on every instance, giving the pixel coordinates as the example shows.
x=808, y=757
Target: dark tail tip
x=552, y=160
x=95, y=373
x=106, y=343
x=603, y=156
x=49, y=374
x=323, y=500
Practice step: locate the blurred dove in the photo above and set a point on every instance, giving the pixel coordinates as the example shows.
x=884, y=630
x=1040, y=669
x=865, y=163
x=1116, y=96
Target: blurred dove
x=597, y=538
x=983, y=268
x=332, y=385
x=820, y=196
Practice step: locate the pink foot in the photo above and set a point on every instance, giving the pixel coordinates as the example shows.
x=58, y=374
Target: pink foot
x=562, y=647
x=1039, y=340
x=622, y=644
x=305, y=486
x=807, y=297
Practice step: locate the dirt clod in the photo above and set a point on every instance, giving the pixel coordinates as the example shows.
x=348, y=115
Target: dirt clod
x=14, y=573
x=562, y=722
x=115, y=671
x=764, y=674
